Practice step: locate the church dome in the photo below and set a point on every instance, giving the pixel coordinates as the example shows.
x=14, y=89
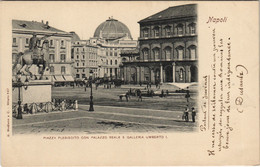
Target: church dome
x=112, y=29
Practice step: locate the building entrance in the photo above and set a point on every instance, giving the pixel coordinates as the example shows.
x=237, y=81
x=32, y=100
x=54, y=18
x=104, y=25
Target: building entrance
x=168, y=74
x=194, y=73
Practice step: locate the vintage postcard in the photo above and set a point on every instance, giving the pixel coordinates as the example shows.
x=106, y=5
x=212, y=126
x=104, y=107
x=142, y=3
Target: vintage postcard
x=129, y=83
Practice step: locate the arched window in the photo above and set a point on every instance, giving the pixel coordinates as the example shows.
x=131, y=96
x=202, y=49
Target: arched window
x=115, y=62
x=111, y=62
x=179, y=29
x=107, y=62
x=145, y=53
x=167, y=51
x=192, y=52
x=181, y=74
x=124, y=59
x=192, y=28
x=156, y=53
x=180, y=52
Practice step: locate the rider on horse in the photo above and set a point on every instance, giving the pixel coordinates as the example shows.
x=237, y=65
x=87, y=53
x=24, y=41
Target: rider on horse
x=33, y=47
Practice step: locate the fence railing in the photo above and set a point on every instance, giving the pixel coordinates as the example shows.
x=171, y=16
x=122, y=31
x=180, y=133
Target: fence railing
x=55, y=105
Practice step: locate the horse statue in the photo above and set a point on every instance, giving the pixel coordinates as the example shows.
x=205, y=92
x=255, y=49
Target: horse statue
x=30, y=57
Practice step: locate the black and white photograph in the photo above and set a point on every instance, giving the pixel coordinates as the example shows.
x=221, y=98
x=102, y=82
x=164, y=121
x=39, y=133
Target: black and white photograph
x=129, y=83
x=108, y=79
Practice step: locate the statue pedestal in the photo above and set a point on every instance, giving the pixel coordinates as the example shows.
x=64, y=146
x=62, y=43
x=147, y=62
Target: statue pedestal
x=37, y=91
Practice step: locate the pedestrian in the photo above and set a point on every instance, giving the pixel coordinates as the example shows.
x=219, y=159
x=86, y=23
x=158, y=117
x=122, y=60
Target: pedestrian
x=167, y=92
x=150, y=84
x=193, y=114
x=187, y=96
x=162, y=93
x=187, y=114
x=126, y=96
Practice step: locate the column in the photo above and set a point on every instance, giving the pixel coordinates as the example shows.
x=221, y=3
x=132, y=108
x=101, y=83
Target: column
x=188, y=74
x=138, y=74
x=152, y=76
x=150, y=52
x=173, y=72
x=161, y=73
x=161, y=52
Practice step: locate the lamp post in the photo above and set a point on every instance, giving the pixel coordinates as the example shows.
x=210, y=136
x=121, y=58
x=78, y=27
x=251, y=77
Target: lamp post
x=91, y=105
x=19, y=86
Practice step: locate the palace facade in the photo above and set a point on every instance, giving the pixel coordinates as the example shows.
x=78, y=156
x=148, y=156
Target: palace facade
x=167, y=48
x=59, y=50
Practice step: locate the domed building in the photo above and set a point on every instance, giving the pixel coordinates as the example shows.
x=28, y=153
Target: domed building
x=111, y=37
x=112, y=29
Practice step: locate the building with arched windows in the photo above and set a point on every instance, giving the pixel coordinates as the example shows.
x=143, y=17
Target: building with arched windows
x=168, y=48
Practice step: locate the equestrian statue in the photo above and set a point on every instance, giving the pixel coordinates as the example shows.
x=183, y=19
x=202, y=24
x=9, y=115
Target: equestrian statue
x=34, y=56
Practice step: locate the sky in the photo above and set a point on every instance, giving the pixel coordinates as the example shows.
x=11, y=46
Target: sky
x=84, y=17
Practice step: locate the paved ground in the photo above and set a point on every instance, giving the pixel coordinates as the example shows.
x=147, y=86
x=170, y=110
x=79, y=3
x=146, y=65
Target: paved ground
x=103, y=120
x=111, y=115
x=109, y=97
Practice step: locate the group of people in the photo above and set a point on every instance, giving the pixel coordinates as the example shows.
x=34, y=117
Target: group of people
x=186, y=114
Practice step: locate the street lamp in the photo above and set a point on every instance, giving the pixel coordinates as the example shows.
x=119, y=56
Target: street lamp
x=19, y=86
x=91, y=105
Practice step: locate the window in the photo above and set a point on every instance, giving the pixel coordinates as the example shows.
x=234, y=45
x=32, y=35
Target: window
x=14, y=40
x=52, y=58
x=83, y=56
x=83, y=76
x=83, y=64
x=77, y=64
x=107, y=62
x=62, y=57
x=62, y=43
x=192, y=50
x=181, y=74
x=77, y=70
x=63, y=70
x=145, y=32
x=83, y=49
x=180, y=52
x=106, y=53
x=168, y=53
x=111, y=53
x=77, y=56
x=83, y=70
x=115, y=53
x=77, y=75
x=156, y=53
x=124, y=59
x=156, y=31
x=180, y=29
x=145, y=54
x=111, y=62
x=167, y=30
x=77, y=49
x=192, y=29
x=52, y=69
x=51, y=42
x=115, y=62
